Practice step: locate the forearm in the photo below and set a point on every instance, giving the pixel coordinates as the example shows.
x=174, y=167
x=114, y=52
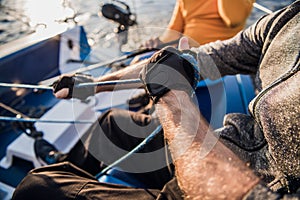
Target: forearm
x=235, y=12
x=205, y=168
x=170, y=35
x=130, y=72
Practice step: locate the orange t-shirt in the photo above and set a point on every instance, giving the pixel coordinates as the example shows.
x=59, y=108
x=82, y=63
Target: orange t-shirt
x=200, y=21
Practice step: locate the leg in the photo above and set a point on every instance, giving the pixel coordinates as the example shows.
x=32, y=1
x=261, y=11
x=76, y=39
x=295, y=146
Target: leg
x=115, y=134
x=119, y=131
x=65, y=181
x=91, y=149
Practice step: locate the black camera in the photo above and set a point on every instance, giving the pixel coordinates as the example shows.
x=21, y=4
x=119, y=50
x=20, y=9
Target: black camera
x=120, y=13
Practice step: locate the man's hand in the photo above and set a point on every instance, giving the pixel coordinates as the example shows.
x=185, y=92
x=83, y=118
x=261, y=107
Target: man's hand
x=168, y=69
x=64, y=88
x=152, y=43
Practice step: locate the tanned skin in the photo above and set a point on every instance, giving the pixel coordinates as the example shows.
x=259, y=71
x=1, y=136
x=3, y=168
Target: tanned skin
x=204, y=170
x=130, y=72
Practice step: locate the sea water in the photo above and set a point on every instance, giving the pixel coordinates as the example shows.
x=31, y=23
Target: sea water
x=22, y=17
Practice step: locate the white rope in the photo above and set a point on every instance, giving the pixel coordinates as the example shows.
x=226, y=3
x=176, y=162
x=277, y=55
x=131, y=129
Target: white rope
x=15, y=119
x=27, y=86
x=104, y=83
x=262, y=8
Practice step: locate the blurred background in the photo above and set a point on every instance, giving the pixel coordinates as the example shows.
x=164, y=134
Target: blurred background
x=22, y=17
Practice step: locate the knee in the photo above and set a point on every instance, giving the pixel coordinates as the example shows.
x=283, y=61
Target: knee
x=106, y=118
x=29, y=186
x=36, y=186
x=117, y=116
x=113, y=118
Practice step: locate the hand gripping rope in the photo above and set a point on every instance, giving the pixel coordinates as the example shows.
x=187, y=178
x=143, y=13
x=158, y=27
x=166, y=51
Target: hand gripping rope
x=91, y=84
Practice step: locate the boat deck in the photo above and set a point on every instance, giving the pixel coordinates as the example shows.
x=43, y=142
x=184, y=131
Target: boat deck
x=37, y=103
x=16, y=149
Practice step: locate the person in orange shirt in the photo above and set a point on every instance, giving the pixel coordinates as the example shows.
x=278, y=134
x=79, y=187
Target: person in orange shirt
x=204, y=21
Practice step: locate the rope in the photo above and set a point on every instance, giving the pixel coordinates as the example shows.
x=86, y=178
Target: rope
x=115, y=60
x=130, y=153
x=124, y=57
x=44, y=87
x=15, y=119
x=10, y=109
x=105, y=83
x=27, y=86
x=262, y=8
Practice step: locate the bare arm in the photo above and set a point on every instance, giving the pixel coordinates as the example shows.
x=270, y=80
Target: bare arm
x=130, y=72
x=235, y=12
x=170, y=35
x=202, y=172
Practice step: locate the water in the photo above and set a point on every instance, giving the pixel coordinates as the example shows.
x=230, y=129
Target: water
x=22, y=17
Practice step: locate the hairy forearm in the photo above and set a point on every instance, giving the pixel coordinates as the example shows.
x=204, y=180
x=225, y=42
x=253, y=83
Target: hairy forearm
x=205, y=168
x=130, y=72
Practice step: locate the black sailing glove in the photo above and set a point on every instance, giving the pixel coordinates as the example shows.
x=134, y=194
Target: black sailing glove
x=168, y=69
x=70, y=81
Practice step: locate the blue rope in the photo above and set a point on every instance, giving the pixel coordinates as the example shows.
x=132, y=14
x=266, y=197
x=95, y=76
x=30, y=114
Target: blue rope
x=135, y=150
